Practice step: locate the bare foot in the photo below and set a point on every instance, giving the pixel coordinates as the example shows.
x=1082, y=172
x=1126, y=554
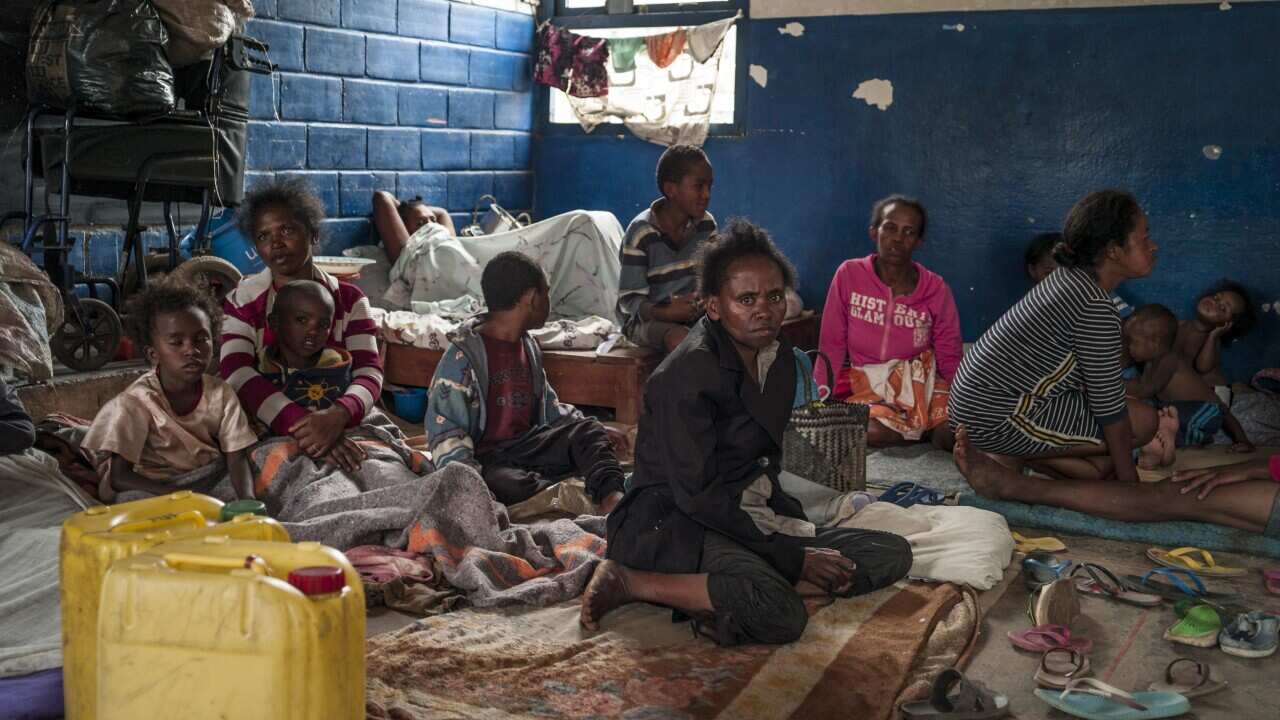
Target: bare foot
x=1167, y=426
x=1151, y=455
x=607, y=590
x=987, y=476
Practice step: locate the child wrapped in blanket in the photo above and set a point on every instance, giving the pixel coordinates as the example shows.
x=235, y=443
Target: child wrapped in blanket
x=175, y=418
x=1191, y=414
x=300, y=364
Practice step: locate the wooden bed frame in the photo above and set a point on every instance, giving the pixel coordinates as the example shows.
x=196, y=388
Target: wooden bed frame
x=581, y=377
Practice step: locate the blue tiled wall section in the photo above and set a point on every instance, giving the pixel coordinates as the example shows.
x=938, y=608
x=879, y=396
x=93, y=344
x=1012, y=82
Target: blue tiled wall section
x=425, y=98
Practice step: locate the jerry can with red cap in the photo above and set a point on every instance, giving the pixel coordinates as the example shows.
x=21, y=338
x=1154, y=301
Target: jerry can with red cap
x=94, y=538
x=224, y=628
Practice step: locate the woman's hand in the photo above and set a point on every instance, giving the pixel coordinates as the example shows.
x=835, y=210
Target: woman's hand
x=609, y=502
x=619, y=441
x=346, y=454
x=827, y=569
x=318, y=431
x=1206, y=480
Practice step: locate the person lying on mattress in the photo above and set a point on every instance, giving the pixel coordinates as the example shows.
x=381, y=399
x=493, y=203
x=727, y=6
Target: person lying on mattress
x=397, y=220
x=174, y=418
x=657, y=295
x=705, y=527
x=1191, y=414
x=299, y=363
x=896, y=323
x=490, y=405
x=284, y=220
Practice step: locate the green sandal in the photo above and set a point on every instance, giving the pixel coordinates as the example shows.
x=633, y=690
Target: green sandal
x=1198, y=628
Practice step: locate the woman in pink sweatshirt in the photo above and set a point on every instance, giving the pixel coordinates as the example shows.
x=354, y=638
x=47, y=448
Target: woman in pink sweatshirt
x=885, y=308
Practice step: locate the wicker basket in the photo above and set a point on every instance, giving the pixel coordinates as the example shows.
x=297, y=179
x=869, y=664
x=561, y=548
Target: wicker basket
x=827, y=442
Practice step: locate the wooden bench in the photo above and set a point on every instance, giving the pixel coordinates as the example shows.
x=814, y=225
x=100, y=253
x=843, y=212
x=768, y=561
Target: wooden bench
x=580, y=377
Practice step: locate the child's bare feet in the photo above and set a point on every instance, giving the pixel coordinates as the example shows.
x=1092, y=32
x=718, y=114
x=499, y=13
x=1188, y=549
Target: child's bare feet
x=606, y=591
x=986, y=475
x=1151, y=455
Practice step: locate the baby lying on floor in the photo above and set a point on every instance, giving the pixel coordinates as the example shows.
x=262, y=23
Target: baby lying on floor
x=174, y=418
x=298, y=362
x=1190, y=413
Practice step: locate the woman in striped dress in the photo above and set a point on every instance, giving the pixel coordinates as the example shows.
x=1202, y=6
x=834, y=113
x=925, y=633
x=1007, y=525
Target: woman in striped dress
x=1043, y=384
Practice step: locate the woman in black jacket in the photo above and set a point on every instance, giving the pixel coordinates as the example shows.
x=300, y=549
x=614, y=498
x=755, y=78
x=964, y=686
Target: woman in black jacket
x=705, y=528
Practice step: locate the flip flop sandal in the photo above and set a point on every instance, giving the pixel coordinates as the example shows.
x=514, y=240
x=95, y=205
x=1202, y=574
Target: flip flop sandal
x=1096, y=700
x=1060, y=666
x=1202, y=682
x=1103, y=583
x=1182, y=559
x=906, y=494
x=1044, y=638
x=1041, y=568
x=1054, y=604
x=1175, y=589
x=1025, y=544
x=1272, y=580
x=1227, y=612
x=1198, y=628
x=958, y=698
x=1251, y=635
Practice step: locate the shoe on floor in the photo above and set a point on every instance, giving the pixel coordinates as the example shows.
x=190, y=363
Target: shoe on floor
x=1201, y=679
x=1198, y=628
x=1251, y=635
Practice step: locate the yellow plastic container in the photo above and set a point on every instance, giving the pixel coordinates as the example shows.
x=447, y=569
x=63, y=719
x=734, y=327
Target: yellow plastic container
x=93, y=539
x=212, y=629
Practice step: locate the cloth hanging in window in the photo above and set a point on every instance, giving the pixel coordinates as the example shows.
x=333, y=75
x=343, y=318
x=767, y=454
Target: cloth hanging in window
x=668, y=104
x=571, y=62
x=665, y=48
x=622, y=51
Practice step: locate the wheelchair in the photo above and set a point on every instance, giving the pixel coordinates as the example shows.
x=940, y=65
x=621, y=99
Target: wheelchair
x=194, y=154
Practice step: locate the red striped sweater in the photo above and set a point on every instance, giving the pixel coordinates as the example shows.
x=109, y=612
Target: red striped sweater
x=245, y=334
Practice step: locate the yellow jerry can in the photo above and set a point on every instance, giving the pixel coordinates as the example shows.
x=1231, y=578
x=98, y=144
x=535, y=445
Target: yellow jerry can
x=93, y=539
x=221, y=628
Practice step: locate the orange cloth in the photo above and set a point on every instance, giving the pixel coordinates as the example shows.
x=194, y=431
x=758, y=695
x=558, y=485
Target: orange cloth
x=664, y=49
x=907, y=396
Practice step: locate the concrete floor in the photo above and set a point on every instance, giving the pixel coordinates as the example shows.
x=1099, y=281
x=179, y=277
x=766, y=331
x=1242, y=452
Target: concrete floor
x=1129, y=651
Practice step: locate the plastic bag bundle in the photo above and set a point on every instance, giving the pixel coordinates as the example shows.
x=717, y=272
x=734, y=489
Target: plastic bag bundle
x=102, y=56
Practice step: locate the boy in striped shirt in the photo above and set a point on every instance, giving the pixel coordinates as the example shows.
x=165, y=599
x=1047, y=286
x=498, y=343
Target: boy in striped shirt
x=657, y=294
x=283, y=219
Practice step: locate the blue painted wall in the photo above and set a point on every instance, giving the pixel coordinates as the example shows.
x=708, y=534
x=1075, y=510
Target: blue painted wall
x=417, y=97
x=998, y=129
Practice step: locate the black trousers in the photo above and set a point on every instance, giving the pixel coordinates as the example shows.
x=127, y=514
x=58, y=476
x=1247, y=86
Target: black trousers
x=518, y=469
x=754, y=603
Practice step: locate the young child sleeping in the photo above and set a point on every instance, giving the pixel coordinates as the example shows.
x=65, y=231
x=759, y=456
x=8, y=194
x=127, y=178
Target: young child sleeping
x=174, y=418
x=299, y=363
x=1197, y=413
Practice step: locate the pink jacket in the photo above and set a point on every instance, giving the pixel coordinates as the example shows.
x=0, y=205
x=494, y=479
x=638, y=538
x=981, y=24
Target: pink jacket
x=856, y=326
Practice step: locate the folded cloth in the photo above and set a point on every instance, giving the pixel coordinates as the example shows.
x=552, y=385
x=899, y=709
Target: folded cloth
x=665, y=48
x=907, y=396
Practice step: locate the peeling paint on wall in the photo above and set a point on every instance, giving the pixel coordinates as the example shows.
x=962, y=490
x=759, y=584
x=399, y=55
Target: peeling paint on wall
x=958, y=27
x=794, y=29
x=1225, y=6
x=875, y=92
x=759, y=74
x=1213, y=152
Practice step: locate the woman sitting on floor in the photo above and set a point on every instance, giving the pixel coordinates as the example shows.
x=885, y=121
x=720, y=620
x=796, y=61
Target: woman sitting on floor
x=1043, y=385
x=897, y=324
x=705, y=527
x=283, y=218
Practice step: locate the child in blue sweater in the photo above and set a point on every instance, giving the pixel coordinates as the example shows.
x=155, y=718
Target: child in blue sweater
x=490, y=405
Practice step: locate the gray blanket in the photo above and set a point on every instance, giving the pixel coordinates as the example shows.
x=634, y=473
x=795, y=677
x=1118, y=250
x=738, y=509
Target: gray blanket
x=396, y=500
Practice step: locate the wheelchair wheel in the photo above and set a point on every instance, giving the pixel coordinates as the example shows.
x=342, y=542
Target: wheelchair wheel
x=91, y=344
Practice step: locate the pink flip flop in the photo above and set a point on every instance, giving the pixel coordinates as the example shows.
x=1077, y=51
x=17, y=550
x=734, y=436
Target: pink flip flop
x=1272, y=579
x=1043, y=638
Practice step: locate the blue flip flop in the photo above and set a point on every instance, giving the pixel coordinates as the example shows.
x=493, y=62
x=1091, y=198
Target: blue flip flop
x=1095, y=700
x=1040, y=568
x=906, y=494
x=1169, y=584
